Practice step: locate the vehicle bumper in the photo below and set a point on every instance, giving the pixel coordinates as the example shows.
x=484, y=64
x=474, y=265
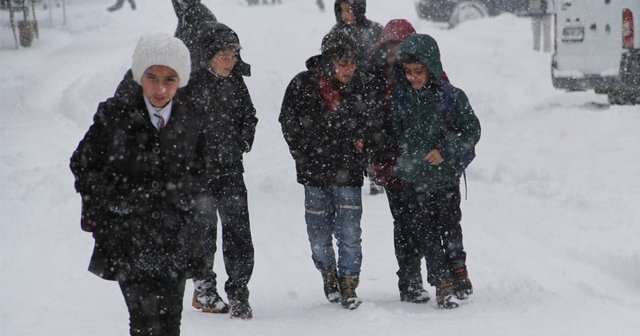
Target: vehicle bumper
x=435, y=10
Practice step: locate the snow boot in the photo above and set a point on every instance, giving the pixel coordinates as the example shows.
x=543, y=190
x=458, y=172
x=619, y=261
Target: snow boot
x=411, y=288
x=349, y=298
x=330, y=281
x=462, y=287
x=241, y=309
x=209, y=302
x=444, y=294
x=414, y=293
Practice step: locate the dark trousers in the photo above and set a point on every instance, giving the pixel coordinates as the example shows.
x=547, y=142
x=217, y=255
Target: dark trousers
x=408, y=248
x=155, y=306
x=227, y=195
x=438, y=220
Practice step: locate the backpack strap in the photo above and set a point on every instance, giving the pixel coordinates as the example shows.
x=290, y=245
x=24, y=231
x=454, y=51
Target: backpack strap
x=451, y=120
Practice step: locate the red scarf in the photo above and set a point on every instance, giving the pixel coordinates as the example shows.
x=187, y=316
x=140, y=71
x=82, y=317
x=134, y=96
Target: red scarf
x=330, y=93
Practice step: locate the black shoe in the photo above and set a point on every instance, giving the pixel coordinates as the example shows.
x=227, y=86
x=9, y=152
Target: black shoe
x=209, y=302
x=414, y=294
x=444, y=294
x=331, y=290
x=462, y=287
x=241, y=309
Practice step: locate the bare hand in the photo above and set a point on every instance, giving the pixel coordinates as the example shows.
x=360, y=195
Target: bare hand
x=359, y=145
x=434, y=157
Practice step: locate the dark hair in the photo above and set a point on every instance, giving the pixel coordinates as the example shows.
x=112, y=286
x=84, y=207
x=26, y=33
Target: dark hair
x=405, y=58
x=337, y=44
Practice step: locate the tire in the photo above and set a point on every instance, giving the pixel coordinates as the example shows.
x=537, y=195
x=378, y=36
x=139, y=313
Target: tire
x=421, y=12
x=467, y=11
x=624, y=97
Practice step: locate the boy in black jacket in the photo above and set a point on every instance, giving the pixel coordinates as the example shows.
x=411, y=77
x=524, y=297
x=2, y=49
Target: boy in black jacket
x=323, y=121
x=220, y=95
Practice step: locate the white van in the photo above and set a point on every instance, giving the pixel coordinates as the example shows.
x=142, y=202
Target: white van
x=597, y=46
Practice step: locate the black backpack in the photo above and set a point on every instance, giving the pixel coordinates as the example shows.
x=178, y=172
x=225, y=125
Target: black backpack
x=445, y=90
x=451, y=120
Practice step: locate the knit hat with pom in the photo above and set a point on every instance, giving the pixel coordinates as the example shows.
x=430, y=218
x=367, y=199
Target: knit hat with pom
x=161, y=49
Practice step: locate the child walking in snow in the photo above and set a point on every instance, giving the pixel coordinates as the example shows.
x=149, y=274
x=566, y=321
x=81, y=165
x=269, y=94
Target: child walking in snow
x=433, y=141
x=137, y=172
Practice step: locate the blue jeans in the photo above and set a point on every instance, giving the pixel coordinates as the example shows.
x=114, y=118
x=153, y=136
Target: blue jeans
x=329, y=212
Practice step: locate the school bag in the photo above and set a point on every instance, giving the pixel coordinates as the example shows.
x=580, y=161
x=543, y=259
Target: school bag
x=445, y=92
x=451, y=120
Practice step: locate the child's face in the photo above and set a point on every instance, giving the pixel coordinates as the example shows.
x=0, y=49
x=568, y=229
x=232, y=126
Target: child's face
x=224, y=61
x=345, y=68
x=160, y=84
x=417, y=74
x=391, y=51
x=346, y=13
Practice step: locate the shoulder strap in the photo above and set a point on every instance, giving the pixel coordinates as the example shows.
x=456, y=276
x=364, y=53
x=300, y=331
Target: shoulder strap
x=451, y=120
x=448, y=103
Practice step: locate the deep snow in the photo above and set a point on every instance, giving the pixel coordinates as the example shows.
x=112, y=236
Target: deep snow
x=551, y=223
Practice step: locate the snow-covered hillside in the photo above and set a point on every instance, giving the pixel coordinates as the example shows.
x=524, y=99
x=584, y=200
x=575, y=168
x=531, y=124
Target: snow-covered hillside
x=551, y=221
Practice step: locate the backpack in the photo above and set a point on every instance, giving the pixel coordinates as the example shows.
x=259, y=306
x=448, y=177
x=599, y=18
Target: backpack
x=451, y=120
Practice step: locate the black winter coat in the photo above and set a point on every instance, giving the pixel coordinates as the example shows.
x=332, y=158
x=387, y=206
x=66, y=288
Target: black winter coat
x=322, y=142
x=229, y=117
x=194, y=22
x=365, y=32
x=138, y=184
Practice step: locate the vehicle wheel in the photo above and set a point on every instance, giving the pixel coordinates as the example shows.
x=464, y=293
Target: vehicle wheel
x=624, y=97
x=467, y=11
x=615, y=98
x=421, y=12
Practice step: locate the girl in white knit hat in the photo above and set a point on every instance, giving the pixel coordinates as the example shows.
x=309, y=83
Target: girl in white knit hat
x=136, y=169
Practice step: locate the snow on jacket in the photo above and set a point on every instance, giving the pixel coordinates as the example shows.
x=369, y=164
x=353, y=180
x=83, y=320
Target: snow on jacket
x=194, y=20
x=419, y=121
x=365, y=32
x=138, y=184
x=322, y=141
x=229, y=117
x=385, y=150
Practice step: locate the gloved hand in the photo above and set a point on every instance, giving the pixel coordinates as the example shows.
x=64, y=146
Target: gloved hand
x=87, y=217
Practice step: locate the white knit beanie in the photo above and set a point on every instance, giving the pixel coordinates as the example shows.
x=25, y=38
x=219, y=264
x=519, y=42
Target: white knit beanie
x=161, y=49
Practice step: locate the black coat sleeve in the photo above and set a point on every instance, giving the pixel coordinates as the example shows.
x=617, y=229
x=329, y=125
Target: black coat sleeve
x=290, y=119
x=248, y=116
x=88, y=160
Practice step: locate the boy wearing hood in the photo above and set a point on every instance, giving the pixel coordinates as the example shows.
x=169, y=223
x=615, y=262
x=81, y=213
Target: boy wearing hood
x=384, y=157
x=351, y=20
x=323, y=121
x=221, y=96
x=432, y=143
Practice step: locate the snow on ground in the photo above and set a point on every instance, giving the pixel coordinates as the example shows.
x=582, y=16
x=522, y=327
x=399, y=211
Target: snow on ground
x=551, y=223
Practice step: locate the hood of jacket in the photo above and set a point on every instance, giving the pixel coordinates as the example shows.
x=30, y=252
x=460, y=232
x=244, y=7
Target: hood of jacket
x=424, y=49
x=359, y=10
x=217, y=35
x=396, y=30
